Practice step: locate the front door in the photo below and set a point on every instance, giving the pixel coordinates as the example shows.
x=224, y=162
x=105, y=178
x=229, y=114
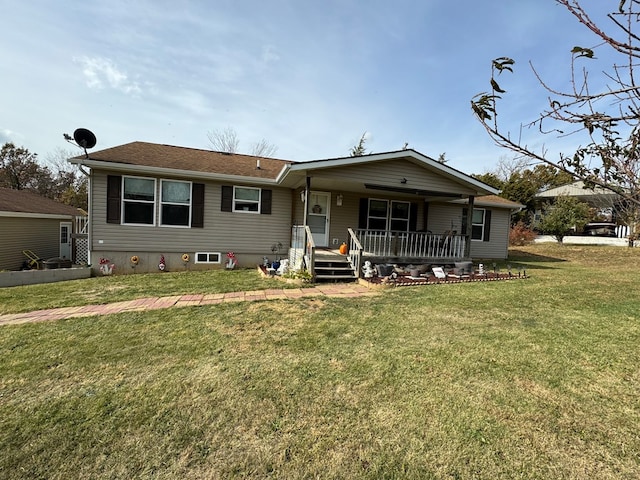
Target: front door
x=65, y=240
x=318, y=217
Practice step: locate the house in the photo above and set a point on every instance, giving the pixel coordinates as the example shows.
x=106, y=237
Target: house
x=31, y=222
x=186, y=208
x=605, y=203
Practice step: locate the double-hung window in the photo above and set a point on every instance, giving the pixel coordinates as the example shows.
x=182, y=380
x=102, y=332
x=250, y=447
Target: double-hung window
x=139, y=200
x=386, y=215
x=246, y=199
x=399, y=216
x=477, y=224
x=377, y=215
x=175, y=203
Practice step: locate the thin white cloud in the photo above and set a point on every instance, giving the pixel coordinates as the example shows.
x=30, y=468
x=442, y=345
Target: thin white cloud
x=103, y=72
x=8, y=136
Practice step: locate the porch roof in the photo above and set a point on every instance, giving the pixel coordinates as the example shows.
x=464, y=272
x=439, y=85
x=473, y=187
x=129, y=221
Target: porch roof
x=294, y=175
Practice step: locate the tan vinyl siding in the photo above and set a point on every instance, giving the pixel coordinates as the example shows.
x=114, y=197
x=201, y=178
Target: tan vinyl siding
x=38, y=235
x=444, y=217
x=222, y=232
x=347, y=215
x=384, y=172
x=498, y=246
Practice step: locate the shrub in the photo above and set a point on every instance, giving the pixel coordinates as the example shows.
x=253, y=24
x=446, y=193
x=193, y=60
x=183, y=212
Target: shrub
x=520, y=235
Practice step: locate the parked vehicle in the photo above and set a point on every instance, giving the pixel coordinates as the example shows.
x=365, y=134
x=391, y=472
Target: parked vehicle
x=600, y=229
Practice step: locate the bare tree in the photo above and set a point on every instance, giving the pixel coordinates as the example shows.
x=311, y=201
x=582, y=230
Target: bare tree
x=224, y=140
x=609, y=117
x=227, y=141
x=263, y=149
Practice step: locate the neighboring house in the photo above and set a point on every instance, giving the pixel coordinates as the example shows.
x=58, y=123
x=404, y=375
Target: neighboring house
x=31, y=222
x=603, y=201
x=158, y=202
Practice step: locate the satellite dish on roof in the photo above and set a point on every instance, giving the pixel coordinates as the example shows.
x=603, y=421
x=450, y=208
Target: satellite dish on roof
x=85, y=138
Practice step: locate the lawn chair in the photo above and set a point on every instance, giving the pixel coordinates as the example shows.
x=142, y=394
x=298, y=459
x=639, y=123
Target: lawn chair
x=33, y=262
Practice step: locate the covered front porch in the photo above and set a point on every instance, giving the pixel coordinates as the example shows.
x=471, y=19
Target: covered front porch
x=378, y=246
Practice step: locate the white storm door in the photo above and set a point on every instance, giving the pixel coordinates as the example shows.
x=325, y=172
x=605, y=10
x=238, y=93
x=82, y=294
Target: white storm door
x=318, y=217
x=65, y=240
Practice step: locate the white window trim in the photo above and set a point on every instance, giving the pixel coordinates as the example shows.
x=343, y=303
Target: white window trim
x=208, y=254
x=259, y=202
x=484, y=221
x=154, y=202
x=161, y=203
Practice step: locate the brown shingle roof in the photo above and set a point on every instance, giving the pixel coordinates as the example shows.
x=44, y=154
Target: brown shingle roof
x=21, y=201
x=190, y=159
x=495, y=200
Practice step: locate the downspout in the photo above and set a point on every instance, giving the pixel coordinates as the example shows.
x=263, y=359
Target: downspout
x=469, y=227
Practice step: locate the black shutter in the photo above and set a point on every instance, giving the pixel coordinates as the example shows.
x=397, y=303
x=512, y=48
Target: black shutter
x=363, y=214
x=463, y=228
x=197, y=205
x=487, y=225
x=265, y=202
x=114, y=198
x=227, y=199
x=413, y=217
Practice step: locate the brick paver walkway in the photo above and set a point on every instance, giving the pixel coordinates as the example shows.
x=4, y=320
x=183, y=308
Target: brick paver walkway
x=346, y=290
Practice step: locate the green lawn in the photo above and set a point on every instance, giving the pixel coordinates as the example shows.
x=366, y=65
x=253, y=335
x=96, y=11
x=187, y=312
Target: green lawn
x=533, y=379
x=117, y=288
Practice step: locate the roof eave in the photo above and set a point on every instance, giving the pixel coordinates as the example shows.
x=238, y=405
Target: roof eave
x=143, y=169
x=482, y=188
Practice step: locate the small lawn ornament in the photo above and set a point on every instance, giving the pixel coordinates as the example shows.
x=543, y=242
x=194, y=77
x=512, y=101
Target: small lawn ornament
x=481, y=269
x=162, y=265
x=106, y=267
x=368, y=270
x=232, y=261
x=284, y=267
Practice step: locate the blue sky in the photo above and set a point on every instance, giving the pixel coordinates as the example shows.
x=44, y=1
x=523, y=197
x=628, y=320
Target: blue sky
x=308, y=76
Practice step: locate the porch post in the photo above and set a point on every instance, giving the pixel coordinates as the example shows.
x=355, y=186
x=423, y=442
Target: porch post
x=306, y=200
x=469, y=227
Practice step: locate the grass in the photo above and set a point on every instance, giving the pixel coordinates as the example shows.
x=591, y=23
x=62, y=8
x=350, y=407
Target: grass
x=537, y=378
x=98, y=290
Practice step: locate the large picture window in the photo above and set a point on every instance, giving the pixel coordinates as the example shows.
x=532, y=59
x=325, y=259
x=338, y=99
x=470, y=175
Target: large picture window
x=175, y=203
x=246, y=199
x=138, y=200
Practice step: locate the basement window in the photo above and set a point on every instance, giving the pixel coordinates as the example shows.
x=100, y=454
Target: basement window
x=207, y=257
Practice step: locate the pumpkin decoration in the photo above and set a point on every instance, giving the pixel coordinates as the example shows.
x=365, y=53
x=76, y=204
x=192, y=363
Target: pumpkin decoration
x=343, y=249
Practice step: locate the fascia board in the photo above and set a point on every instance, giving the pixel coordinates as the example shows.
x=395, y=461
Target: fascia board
x=49, y=216
x=141, y=170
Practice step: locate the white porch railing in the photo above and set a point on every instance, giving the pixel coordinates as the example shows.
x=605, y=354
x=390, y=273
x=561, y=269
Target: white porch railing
x=355, y=252
x=382, y=243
